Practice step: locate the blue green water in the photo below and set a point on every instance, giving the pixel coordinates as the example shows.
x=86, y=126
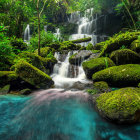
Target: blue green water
x=56, y=116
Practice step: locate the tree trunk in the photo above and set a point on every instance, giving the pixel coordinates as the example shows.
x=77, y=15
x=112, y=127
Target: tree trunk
x=39, y=37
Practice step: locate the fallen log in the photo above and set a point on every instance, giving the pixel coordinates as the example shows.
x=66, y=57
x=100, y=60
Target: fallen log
x=81, y=40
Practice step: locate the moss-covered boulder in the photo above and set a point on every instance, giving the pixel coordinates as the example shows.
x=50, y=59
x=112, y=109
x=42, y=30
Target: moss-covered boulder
x=118, y=40
x=97, y=64
x=135, y=46
x=121, y=106
x=99, y=46
x=101, y=86
x=7, y=77
x=119, y=76
x=68, y=45
x=33, y=59
x=44, y=64
x=32, y=75
x=44, y=52
x=125, y=56
x=77, y=58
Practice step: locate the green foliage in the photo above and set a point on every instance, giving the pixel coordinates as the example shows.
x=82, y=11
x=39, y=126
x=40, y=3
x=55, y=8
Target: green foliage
x=92, y=91
x=6, y=52
x=18, y=44
x=89, y=46
x=123, y=47
x=120, y=104
x=46, y=38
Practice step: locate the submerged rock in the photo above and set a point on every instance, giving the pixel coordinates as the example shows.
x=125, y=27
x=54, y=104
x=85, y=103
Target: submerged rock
x=119, y=76
x=97, y=64
x=125, y=56
x=32, y=75
x=77, y=58
x=120, y=106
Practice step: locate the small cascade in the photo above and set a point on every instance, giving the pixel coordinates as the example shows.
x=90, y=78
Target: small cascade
x=87, y=26
x=65, y=74
x=45, y=28
x=57, y=33
x=27, y=34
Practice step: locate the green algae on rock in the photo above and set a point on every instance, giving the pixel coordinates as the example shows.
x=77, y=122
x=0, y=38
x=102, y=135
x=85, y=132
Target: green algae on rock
x=95, y=65
x=125, y=56
x=120, y=105
x=119, y=76
x=32, y=75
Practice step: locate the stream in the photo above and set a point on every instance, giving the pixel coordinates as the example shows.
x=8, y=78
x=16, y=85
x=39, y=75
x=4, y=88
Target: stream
x=59, y=113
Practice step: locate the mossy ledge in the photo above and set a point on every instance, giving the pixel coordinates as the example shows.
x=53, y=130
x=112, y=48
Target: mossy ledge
x=120, y=106
x=33, y=75
x=119, y=76
x=95, y=65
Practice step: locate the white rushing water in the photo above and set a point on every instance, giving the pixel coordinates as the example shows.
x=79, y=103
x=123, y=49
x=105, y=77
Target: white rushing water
x=27, y=34
x=61, y=73
x=87, y=26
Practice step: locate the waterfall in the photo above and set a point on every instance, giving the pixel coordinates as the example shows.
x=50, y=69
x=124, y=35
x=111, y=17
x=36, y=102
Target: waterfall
x=65, y=74
x=45, y=28
x=87, y=26
x=27, y=33
x=57, y=33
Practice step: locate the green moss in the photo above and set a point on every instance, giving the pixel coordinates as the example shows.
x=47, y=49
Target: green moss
x=120, y=104
x=95, y=65
x=33, y=75
x=118, y=40
x=139, y=85
x=135, y=46
x=89, y=46
x=45, y=51
x=92, y=91
x=7, y=77
x=125, y=56
x=102, y=86
x=119, y=76
x=68, y=45
x=99, y=46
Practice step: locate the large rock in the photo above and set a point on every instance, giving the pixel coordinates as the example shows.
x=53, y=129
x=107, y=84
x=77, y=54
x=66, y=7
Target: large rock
x=119, y=76
x=32, y=75
x=97, y=64
x=44, y=64
x=120, y=106
x=125, y=56
x=135, y=46
x=77, y=58
x=117, y=41
x=7, y=77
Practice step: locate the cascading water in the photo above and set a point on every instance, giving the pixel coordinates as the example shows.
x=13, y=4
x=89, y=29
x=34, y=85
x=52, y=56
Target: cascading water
x=87, y=26
x=27, y=34
x=57, y=33
x=62, y=71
